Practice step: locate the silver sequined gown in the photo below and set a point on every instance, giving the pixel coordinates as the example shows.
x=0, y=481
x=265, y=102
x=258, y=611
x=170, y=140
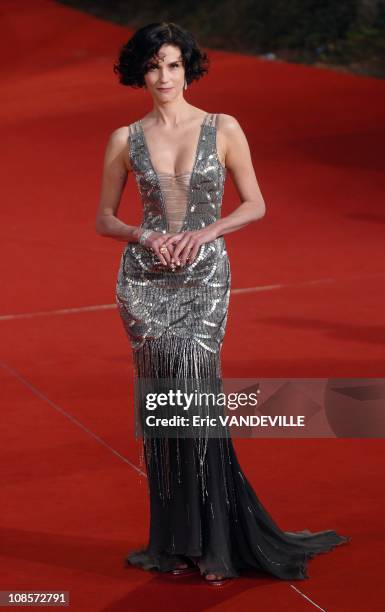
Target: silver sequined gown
x=202, y=506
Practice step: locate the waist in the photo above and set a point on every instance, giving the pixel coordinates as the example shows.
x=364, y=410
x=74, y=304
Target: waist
x=192, y=220
x=141, y=262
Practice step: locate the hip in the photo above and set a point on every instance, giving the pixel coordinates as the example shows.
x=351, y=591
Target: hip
x=140, y=264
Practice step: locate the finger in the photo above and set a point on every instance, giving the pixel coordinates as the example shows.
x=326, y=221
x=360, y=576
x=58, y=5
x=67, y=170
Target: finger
x=162, y=256
x=165, y=253
x=186, y=253
x=193, y=253
x=168, y=257
x=170, y=248
x=172, y=240
x=175, y=259
x=180, y=247
x=170, y=243
x=174, y=255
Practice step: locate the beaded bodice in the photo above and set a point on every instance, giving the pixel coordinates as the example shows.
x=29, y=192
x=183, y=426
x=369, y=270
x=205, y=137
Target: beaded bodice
x=189, y=301
x=185, y=201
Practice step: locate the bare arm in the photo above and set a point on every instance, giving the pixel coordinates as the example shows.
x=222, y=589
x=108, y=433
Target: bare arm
x=240, y=165
x=114, y=178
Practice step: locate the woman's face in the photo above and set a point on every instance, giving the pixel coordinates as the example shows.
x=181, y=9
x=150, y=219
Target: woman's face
x=165, y=75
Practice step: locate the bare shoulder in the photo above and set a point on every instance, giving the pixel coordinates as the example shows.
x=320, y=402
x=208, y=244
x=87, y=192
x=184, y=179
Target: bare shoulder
x=229, y=130
x=119, y=136
x=230, y=138
x=228, y=123
x=118, y=144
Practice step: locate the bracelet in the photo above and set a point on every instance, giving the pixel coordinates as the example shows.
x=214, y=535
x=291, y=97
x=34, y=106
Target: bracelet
x=144, y=235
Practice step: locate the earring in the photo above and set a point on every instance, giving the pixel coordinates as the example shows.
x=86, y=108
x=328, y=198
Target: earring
x=185, y=84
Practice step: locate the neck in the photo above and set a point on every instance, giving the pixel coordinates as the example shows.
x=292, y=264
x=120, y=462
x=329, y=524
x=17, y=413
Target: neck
x=171, y=113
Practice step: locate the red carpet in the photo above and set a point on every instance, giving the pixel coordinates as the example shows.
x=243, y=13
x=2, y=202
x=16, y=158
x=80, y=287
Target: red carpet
x=74, y=501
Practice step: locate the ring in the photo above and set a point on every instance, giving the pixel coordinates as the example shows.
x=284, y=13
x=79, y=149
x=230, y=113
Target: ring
x=163, y=249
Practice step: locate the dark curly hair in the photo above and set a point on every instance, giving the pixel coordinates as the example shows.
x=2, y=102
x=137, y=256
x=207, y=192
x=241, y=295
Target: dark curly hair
x=135, y=56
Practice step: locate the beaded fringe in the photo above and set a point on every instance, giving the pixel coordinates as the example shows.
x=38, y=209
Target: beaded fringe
x=176, y=360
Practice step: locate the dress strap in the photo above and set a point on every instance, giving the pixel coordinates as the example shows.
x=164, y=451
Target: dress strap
x=210, y=119
x=133, y=128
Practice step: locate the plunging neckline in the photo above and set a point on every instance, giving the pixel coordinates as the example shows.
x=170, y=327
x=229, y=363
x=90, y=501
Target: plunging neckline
x=186, y=172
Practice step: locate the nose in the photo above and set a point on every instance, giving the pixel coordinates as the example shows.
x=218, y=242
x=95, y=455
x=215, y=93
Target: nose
x=163, y=78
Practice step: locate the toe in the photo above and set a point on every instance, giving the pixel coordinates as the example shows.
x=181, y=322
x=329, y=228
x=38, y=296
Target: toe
x=213, y=577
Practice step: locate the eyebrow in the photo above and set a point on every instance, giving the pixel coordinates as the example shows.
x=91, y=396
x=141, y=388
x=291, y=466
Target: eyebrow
x=171, y=62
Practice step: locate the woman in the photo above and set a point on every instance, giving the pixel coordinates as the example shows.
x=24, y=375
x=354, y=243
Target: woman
x=172, y=292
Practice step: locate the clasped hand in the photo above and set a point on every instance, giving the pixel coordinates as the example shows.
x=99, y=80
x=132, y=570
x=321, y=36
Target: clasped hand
x=181, y=248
